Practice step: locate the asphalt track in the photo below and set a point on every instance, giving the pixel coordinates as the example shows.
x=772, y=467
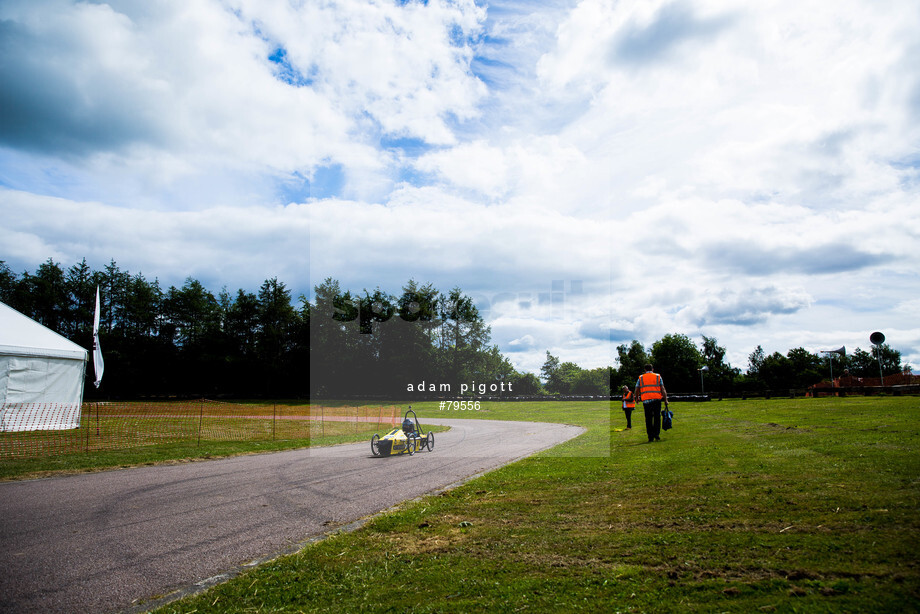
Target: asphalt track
x=116, y=540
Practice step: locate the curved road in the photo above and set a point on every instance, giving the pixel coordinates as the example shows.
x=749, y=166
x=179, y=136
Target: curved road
x=109, y=541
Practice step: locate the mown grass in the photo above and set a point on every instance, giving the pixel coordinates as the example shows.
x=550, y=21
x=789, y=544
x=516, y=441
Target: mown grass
x=807, y=505
x=153, y=439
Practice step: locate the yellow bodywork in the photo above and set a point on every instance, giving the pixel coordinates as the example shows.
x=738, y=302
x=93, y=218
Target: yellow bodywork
x=402, y=440
x=399, y=441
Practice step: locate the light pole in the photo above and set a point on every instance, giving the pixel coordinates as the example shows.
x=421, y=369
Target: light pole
x=877, y=339
x=842, y=350
x=701, y=369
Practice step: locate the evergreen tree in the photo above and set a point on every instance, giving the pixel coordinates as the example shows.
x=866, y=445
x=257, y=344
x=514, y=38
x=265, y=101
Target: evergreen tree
x=276, y=322
x=45, y=296
x=333, y=336
x=81, y=303
x=463, y=335
x=549, y=369
x=755, y=364
x=8, y=282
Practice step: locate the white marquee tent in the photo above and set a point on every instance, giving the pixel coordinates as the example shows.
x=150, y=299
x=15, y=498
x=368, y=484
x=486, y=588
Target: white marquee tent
x=41, y=375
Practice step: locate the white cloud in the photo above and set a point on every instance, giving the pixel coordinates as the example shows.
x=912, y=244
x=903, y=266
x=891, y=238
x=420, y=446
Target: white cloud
x=233, y=246
x=475, y=166
x=188, y=89
x=746, y=172
x=406, y=66
x=768, y=101
x=536, y=171
x=752, y=306
x=426, y=232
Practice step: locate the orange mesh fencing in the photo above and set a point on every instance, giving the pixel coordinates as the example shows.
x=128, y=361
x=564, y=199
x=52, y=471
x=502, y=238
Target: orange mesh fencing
x=45, y=429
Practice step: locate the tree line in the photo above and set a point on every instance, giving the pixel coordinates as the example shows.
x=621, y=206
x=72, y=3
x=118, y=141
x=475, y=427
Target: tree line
x=688, y=368
x=188, y=341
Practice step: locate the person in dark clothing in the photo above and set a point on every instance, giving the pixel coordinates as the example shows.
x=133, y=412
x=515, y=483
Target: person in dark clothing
x=650, y=390
x=629, y=404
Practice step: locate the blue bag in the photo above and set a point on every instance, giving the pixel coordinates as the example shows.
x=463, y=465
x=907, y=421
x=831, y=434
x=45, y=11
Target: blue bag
x=666, y=415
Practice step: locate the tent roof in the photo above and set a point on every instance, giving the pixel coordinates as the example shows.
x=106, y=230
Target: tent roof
x=23, y=336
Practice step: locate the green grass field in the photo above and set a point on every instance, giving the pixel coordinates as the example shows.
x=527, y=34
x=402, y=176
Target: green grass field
x=805, y=505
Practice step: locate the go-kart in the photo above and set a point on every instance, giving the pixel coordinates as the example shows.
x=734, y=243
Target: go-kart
x=403, y=440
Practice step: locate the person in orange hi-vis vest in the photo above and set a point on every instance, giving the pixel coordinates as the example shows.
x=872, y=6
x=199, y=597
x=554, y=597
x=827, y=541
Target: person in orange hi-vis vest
x=629, y=404
x=650, y=390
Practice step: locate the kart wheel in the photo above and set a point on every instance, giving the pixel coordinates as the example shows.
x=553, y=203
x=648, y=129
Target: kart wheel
x=410, y=445
x=429, y=441
x=375, y=445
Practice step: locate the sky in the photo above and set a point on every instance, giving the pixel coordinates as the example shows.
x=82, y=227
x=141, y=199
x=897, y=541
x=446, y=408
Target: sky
x=590, y=172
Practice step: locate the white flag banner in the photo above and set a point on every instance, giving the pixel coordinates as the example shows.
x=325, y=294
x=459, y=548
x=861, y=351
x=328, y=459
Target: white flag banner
x=98, y=365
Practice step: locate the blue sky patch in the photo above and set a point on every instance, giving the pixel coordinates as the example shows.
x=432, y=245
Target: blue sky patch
x=408, y=146
x=286, y=72
x=328, y=181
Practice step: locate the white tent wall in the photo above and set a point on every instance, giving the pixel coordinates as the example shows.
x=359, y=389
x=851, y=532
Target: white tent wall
x=41, y=376
x=40, y=393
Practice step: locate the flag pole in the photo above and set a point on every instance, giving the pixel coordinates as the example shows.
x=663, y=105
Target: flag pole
x=98, y=364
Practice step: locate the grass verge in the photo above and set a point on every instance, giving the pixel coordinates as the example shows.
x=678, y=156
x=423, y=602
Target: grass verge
x=188, y=451
x=806, y=505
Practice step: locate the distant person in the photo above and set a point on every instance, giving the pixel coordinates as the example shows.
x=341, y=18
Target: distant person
x=629, y=404
x=650, y=390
